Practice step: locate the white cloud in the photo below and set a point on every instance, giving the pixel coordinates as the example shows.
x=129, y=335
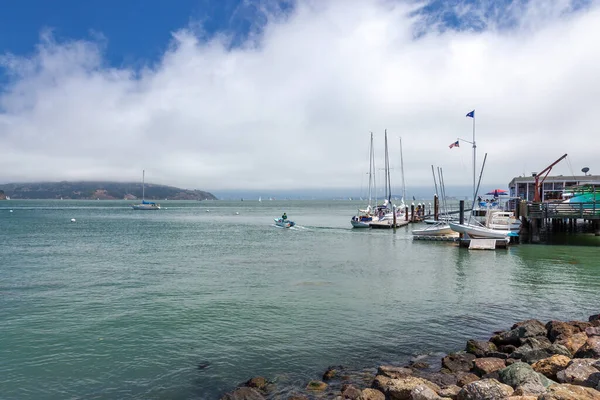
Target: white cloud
x=293, y=107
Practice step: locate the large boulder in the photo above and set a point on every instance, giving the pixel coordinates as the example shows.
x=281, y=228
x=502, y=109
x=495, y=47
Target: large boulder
x=574, y=342
x=487, y=365
x=351, y=392
x=394, y=372
x=450, y=392
x=400, y=389
x=590, y=349
x=485, y=389
x=580, y=371
x=480, y=348
x=457, y=362
x=523, y=378
x=465, y=378
x=423, y=392
x=592, y=331
x=537, y=355
x=560, y=329
x=244, y=393
x=520, y=330
x=439, y=378
x=372, y=394
x=570, y=392
x=551, y=365
x=529, y=344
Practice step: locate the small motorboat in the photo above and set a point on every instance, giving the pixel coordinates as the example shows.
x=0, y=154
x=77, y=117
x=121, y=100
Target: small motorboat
x=284, y=223
x=439, y=229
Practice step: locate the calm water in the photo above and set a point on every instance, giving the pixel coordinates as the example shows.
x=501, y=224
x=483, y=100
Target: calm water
x=127, y=304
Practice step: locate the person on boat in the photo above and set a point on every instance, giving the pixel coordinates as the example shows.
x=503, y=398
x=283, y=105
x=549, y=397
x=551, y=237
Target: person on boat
x=284, y=216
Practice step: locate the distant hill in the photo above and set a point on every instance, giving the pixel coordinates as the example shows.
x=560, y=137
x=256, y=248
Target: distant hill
x=99, y=190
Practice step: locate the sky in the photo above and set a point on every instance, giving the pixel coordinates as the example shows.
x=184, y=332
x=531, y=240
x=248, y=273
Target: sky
x=282, y=95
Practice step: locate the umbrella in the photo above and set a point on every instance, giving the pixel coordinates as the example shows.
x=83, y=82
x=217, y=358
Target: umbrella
x=497, y=192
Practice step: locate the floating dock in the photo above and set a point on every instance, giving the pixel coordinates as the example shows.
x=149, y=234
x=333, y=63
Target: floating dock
x=484, y=244
x=446, y=238
x=388, y=224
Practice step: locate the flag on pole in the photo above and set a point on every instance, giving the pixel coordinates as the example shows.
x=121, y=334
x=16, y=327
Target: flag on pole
x=471, y=114
x=455, y=144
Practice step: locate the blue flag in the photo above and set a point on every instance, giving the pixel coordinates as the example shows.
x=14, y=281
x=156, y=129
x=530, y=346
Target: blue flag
x=471, y=114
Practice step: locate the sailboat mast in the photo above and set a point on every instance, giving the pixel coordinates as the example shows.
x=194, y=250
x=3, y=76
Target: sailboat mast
x=434, y=182
x=370, y=169
x=388, y=186
x=143, y=183
x=402, y=172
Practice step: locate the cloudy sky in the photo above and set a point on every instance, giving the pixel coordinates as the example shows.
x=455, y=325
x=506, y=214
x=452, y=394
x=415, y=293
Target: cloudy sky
x=283, y=94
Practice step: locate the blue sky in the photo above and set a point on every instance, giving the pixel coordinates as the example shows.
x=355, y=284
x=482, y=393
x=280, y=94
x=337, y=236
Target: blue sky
x=135, y=31
x=176, y=88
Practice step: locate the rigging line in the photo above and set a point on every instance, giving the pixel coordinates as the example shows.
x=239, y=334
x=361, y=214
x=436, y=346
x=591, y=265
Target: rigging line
x=570, y=166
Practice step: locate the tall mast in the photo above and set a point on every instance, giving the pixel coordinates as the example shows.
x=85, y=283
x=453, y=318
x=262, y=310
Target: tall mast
x=143, y=183
x=402, y=172
x=388, y=187
x=370, y=168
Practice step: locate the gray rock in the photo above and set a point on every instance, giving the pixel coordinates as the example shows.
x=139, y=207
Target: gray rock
x=480, y=348
x=440, y=379
x=580, y=371
x=485, y=389
x=592, y=331
x=487, y=365
x=537, y=355
x=522, y=377
x=352, y=393
x=591, y=348
x=520, y=330
x=456, y=362
x=423, y=392
x=394, y=372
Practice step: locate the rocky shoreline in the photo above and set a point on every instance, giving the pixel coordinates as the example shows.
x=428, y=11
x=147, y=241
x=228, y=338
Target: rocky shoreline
x=530, y=361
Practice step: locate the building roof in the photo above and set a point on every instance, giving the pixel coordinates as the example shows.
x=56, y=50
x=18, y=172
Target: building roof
x=558, y=178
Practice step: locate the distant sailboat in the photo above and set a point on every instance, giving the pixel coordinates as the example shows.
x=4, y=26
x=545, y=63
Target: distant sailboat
x=259, y=199
x=145, y=205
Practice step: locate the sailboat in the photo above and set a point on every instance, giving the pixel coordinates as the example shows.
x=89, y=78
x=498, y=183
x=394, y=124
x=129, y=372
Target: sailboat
x=386, y=213
x=365, y=217
x=145, y=205
x=476, y=230
x=441, y=227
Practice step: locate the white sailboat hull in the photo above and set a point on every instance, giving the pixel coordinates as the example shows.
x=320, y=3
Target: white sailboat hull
x=434, y=230
x=479, y=232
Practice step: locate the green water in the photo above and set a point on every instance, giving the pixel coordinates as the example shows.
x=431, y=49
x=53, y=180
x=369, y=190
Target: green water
x=128, y=304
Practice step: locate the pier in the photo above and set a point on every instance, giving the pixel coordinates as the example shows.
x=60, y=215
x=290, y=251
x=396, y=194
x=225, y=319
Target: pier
x=543, y=219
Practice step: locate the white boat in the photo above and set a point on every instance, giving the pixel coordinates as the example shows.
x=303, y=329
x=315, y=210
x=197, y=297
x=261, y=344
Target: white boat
x=502, y=220
x=365, y=216
x=145, y=205
x=480, y=232
x=439, y=229
x=284, y=223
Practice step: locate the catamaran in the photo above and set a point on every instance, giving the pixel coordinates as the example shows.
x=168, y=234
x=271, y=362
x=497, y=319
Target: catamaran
x=145, y=205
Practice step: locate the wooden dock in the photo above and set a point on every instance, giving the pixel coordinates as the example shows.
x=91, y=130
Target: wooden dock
x=541, y=219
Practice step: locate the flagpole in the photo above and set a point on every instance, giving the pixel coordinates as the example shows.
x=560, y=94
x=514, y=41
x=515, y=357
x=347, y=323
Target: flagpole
x=474, y=154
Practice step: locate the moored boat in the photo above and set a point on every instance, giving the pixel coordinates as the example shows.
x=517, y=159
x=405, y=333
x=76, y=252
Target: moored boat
x=145, y=205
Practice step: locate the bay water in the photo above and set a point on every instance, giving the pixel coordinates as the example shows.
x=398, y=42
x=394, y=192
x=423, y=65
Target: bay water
x=189, y=301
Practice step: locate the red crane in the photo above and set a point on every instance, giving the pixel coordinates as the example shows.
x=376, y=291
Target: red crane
x=538, y=182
